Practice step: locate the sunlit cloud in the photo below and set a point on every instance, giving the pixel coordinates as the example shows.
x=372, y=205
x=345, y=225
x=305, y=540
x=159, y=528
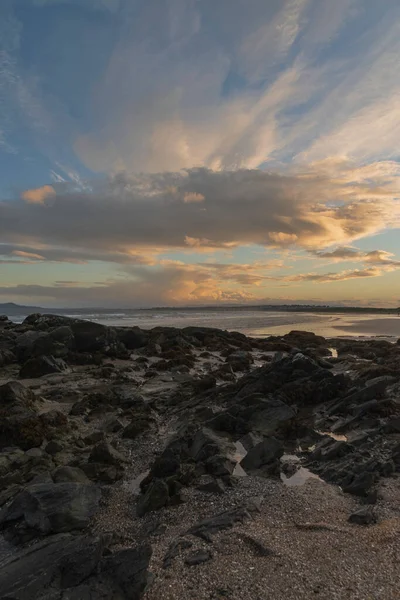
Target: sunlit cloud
x=38, y=195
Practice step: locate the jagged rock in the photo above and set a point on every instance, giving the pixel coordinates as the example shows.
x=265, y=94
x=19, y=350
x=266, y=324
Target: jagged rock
x=225, y=520
x=174, y=549
x=211, y=485
x=250, y=440
x=363, y=516
x=42, y=365
x=107, y=454
x=267, y=452
x=63, y=567
x=69, y=474
x=20, y=423
x=240, y=361
x=50, y=508
x=155, y=497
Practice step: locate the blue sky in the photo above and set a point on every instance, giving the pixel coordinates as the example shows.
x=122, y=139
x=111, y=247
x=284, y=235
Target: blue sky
x=193, y=151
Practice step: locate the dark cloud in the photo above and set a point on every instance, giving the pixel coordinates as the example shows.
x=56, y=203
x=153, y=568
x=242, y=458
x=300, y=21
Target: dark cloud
x=123, y=215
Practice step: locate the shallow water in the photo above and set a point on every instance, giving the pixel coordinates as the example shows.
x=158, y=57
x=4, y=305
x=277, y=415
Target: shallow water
x=253, y=322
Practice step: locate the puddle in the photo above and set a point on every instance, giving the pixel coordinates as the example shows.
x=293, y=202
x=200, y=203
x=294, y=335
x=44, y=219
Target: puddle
x=299, y=478
x=133, y=485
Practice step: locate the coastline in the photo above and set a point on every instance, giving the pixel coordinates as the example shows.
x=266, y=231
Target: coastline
x=216, y=464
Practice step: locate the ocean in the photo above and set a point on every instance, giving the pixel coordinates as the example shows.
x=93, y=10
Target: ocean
x=255, y=323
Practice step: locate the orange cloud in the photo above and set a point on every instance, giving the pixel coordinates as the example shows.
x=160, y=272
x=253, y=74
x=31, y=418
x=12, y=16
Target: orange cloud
x=27, y=254
x=38, y=195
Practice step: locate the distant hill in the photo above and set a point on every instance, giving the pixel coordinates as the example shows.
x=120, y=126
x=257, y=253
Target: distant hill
x=10, y=309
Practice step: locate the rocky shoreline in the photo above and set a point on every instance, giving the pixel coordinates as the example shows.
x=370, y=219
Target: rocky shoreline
x=196, y=463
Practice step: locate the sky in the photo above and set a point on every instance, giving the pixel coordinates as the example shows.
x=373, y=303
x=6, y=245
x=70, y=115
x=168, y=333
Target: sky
x=192, y=152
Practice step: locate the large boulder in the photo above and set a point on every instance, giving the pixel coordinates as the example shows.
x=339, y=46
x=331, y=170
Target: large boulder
x=93, y=337
x=65, y=567
x=47, y=508
x=42, y=365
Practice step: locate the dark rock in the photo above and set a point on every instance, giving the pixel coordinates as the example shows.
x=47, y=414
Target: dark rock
x=250, y=440
x=220, y=465
x=225, y=520
x=132, y=337
x=105, y=453
x=205, y=383
x=127, y=572
x=94, y=437
x=264, y=453
x=72, y=568
x=29, y=574
x=155, y=497
x=51, y=508
x=174, y=549
x=20, y=424
x=206, y=443
x=103, y=472
x=363, y=516
x=197, y=558
x=361, y=484
x=240, y=361
x=42, y=365
x=69, y=474
x=136, y=427
x=53, y=447
x=211, y=485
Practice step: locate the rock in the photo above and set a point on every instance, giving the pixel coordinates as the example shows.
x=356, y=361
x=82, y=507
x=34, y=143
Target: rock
x=14, y=393
x=240, y=361
x=51, y=508
x=250, y=440
x=69, y=474
x=209, y=484
x=361, y=484
x=73, y=568
x=267, y=452
x=103, y=472
x=220, y=465
x=20, y=424
x=132, y=337
x=206, y=443
x=93, y=337
x=53, y=447
x=112, y=425
x=136, y=427
x=155, y=497
x=42, y=365
x=94, y=438
x=363, y=516
x=174, y=550
x=105, y=453
x=29, y=574
x=197, y=558
x=225, y=520
x=127, y=572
